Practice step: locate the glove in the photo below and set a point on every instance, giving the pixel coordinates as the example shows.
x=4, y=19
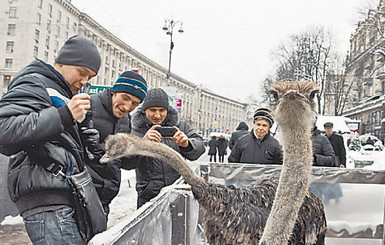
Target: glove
x=90, y=137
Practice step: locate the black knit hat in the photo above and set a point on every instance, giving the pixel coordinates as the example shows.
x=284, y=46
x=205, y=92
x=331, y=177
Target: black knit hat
x=132, y=83
x=264, y=113
x=79, y=51
x=156, y=97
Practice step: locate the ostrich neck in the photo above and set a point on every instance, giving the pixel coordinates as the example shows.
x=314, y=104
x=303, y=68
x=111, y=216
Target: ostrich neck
x=171, y=157
x=292, y=187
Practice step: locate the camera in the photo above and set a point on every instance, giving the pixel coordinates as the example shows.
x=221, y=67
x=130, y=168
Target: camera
x=166, y=131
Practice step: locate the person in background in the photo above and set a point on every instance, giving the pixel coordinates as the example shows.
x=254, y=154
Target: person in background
x=337, y=143
x=222, y=146
x=323, y=153
x=213, y=148
x=153, y=174
x=258, y=146
x=39, y=117
x=241, y=130
x=109, y=114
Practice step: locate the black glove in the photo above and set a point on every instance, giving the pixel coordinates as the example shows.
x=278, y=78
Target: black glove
x=90, y=138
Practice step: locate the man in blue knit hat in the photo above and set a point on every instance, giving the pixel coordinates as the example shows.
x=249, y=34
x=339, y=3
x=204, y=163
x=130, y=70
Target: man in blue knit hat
x=109, y=114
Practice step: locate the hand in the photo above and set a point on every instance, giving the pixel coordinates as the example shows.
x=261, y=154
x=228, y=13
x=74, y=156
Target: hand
x=180, y=138
x=153, y=134
x=79, y=105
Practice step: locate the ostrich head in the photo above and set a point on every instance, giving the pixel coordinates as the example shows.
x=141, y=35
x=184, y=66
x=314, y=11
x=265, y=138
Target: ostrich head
x=293, y=103
x=120, y=145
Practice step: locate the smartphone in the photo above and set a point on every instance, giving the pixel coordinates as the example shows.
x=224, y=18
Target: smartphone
x=87, y=88
x=166, y=131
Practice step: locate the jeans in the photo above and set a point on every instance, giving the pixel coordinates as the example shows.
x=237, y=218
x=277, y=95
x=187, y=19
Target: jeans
x=53, y=227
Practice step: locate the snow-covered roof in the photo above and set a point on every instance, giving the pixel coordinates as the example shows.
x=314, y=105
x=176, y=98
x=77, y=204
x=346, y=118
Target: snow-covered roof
x=339, y=123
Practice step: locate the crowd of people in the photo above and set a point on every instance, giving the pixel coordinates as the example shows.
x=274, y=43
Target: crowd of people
x=51, y=131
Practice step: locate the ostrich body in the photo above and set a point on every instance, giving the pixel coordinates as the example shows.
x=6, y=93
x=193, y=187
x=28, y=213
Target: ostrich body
x=239, y=215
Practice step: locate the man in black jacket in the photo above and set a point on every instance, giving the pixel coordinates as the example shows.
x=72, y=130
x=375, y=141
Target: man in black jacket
x=153, y=174
x=109, y=114
x=241, y=130
x=337, y=143
x=323, y=153
x=258, y=146
x=39, y=131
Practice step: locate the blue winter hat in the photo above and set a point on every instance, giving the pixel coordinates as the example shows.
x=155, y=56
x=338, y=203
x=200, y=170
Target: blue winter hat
x=132, y=83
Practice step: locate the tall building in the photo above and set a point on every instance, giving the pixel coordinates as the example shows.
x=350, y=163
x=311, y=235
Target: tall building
x=366, y=72
x=38, y=28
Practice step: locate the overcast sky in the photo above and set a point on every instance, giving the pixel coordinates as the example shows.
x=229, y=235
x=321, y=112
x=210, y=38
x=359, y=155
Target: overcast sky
x=226, y=45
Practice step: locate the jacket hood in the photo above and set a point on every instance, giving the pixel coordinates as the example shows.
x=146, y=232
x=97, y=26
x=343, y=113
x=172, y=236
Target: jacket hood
x=242, y=125
x=142, y=124
x=38, y=66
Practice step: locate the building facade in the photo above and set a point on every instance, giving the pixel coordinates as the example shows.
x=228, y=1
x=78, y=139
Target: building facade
x=38, y=28
x=365, y=71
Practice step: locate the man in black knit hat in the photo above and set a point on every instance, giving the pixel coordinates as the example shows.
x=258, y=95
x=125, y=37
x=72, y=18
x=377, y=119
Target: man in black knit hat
x=153, y=174
x=258, y=146
x=109, y=114
x=39, y=117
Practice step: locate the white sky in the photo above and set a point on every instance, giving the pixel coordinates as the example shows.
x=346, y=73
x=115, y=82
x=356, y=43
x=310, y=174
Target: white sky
x=226, y=44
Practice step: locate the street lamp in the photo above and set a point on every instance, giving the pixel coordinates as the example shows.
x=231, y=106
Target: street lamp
x=169, y=29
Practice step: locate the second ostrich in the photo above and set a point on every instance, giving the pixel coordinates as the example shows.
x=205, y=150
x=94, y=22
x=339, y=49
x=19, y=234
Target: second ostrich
x=267, y=211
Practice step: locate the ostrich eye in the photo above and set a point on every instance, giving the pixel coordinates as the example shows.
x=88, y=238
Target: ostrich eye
x=312, y=94
x=273, y=96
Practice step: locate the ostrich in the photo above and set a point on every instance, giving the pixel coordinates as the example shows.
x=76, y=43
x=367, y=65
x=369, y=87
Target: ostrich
x=233, y=215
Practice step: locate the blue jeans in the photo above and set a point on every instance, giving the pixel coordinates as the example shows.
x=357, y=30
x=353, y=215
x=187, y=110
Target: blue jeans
x=53, y=227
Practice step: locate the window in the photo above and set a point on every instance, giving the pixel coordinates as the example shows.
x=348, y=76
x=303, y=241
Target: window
x=75, y=27
x=58, y=16
x=58, y=31
x=37, y=34
x=11, y=29
x=38, y=18
x=107, y=60
x=12, y=12
x=45, y=56
x=8, y=63
x=67, y=22
x=48, y=26
x=66, y=35
x=9, y=47
x=39, y=3
x=35, y=51
x=50, y=10
x=6, y=80
x=56, y=48
x=47, y=39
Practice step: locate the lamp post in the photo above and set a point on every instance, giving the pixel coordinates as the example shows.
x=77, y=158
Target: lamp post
x=169, y=29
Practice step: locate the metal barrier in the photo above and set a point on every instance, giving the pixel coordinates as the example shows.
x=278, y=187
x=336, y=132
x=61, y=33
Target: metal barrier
x=353, y=198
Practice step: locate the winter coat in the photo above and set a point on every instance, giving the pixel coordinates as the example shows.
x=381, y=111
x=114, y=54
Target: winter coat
x=337, y=143
x=106, y=177
x=249, y=149
x=222, y=146
x=37, y=127
x=153, y=174
x=241, y=130
x=212, y=147
x=322, y=150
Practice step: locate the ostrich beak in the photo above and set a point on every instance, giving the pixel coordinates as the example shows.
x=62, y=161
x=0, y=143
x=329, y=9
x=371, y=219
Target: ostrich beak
x=105, y=159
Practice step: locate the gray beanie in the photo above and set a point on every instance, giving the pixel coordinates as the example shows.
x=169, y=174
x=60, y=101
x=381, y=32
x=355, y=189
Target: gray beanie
x=264, y=113
x=156, y=97
x=79, y=51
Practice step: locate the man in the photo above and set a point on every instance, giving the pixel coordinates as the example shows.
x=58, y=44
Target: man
x=38, y=128
x=323, y=153
x=258, y=146
x=241, y=130
x=337, y=143
x=152, y=174
x=109, y=114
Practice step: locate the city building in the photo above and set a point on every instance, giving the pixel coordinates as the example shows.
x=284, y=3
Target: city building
x=38, y=28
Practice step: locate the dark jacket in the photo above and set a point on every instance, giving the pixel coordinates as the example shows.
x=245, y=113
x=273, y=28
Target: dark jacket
x=222, y=146
x=322, y=150
x=249, y=149
x=106, y=177
x=37, y=127
x=153, y=174
x=213, y=147
x=241, y=130
x=339, y=149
